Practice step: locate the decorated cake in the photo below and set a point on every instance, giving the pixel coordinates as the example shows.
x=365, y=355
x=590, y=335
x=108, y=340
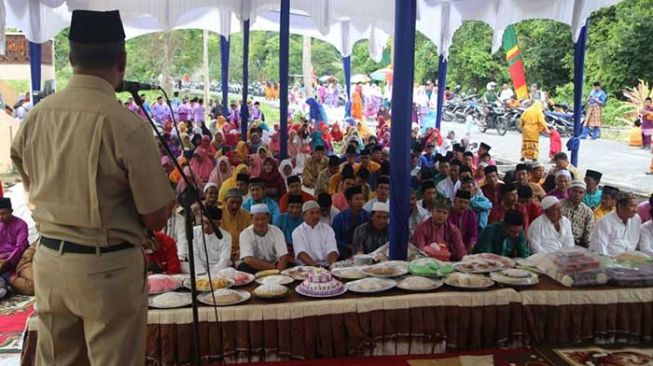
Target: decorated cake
x=321, y=284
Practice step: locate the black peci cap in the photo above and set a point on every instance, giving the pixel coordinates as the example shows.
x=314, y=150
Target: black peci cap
x=96, y=27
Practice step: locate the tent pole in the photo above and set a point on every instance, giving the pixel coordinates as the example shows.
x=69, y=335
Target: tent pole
x=35, y=70
x=244, y=108
x=579, y=75
x=224, y=69
x=346, y=66
x=442, y=83
x=284, y=43
x=402, y=101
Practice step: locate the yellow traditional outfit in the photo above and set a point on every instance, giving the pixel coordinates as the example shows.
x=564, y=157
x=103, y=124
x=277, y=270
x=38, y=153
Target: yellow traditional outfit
x=356, y=106
x=532, y=124
x=599, y=212
x=230, y=182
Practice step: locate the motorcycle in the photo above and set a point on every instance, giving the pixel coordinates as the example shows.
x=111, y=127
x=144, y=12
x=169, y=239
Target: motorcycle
x=561, y=121
x=495, y=118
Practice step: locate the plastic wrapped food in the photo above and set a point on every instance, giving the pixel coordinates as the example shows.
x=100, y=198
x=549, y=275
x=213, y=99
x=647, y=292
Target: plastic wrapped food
x=162, y=283
x=630, y=277
x=576, y=260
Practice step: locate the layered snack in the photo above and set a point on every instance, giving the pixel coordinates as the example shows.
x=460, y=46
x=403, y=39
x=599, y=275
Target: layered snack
x=271, y=291
x=371, y=285
x=299, y=273
x=321, y=284
x=468, y=281
x=386, y=269
x=204, y=285
x=430, y=267
x=159, y=283
x=418, y=283
x=224, y=297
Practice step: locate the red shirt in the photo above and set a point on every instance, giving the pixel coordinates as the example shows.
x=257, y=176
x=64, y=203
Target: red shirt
x=534, y=210
x=165, y=257
x=492, y=194
x=283, y=201
x=498, y=212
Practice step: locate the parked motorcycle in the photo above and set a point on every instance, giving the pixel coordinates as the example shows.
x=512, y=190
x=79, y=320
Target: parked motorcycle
x=495, y=118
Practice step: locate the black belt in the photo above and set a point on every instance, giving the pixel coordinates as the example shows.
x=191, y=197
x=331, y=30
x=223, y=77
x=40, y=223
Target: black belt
x=68, y=247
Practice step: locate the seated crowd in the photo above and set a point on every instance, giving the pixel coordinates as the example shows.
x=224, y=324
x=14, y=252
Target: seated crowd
x=320, y=206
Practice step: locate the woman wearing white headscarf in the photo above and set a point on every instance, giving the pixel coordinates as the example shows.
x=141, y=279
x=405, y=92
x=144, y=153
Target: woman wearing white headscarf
x=286, y=169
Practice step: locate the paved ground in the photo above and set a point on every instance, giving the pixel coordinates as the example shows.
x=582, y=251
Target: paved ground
x=622, y=166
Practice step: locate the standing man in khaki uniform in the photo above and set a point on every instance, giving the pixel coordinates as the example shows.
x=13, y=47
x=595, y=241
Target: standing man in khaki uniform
x=92, y=170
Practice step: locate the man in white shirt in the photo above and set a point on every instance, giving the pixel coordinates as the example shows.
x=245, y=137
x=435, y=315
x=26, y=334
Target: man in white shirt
x=506, y=93
x=418, y=215
x=618, y=231
x=217, y=253
x=382, y=193
x=327, y=211
x=646, y=236
x=314, y=241
x=449, y=186
x=262, y=246
x=552, y=231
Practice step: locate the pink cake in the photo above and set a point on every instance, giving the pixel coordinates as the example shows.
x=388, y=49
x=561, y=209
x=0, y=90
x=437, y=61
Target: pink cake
x=321, y=284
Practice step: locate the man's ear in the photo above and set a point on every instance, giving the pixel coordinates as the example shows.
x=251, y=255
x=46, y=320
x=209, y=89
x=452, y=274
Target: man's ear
x=122, y=62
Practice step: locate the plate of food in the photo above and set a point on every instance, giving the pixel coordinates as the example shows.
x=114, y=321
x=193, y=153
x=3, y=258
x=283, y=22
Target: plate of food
x=418, y=283
x=224, y=297
x=511, y=278
x=160, y=283
x=491, y=258
x=348, y=273
x=271, y=291
x=267, y=272
x=385, y=269
x=238, y=277
x=202, y=283
x=430, y=267
x=275, y=279
x=170, y=300
x=477, y=266
x=371, y=285
x=468, y=281
x=299, y=273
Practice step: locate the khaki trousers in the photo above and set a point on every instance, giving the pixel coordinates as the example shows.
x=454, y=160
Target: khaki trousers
x=91, y=308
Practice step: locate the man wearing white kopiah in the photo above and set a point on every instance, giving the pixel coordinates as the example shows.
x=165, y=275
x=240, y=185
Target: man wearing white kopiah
x=618, y=231
x=552, y=231
x=314, y=241
x=262, y=246
x=218, y=251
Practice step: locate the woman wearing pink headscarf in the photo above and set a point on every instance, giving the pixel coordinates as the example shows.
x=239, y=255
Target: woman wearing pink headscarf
x=206, y=145
x=221, y=172
x=201, y=164
x=255, y=162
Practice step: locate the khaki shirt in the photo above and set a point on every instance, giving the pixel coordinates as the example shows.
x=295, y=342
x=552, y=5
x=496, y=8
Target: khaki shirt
x=91, y=166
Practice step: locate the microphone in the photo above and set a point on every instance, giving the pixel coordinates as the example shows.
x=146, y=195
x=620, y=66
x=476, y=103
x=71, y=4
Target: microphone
x=134, y=87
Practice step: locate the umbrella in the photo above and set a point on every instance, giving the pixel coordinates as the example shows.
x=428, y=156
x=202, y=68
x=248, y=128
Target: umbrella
x=359, y=78
x=326, y=78
x=381, y=74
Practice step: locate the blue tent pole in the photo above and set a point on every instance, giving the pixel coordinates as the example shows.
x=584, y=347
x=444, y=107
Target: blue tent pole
x=244, y=108
x=400, y=134
x=284, y=46
x=579, y=75
x=35, y=70
x=346, y=66
x=442, y=83
x=224, y=70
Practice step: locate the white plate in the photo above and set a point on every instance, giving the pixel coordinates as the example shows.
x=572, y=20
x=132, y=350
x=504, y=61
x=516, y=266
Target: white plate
x=404, y=285
x=460, y=267
x=516, y=273
x=282, y=291
x=511, y=281
x=399, y=270
x=175, y=287
x=229, y=273
x=207, y=299
x=380, y=285
x=299, y=291
x=488, y=283
x=299, y=273
x=348, y=273
x=275, y=279
x=229, y=284
x=179, y=299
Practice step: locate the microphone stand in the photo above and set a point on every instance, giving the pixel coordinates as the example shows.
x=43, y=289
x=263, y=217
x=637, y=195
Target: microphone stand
x=186, y=200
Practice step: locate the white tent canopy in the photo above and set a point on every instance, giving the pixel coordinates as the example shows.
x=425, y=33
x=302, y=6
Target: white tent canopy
x=338, y=22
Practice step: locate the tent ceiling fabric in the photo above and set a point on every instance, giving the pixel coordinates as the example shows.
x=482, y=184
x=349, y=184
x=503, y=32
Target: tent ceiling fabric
x=339, y=22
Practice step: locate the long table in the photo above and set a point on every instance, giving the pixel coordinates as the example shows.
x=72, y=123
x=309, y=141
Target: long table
x=397, y=323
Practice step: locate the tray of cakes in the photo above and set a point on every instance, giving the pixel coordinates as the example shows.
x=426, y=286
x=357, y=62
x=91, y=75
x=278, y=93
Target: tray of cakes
x=161, y=283
x=418, y=283
x=348, y=273
x=299, y=273
x=321, y=284
x=468, y=281
x=371, y=285
x=239, y=278
x=224, y=297
x=515, y=277
x=430, y=267
x=386, y=269
x=271, y=291
x=203, y=285
x=483, y=263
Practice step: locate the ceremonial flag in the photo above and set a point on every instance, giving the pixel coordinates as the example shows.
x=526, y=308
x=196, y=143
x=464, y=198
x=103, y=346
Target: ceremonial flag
x=515, y=62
